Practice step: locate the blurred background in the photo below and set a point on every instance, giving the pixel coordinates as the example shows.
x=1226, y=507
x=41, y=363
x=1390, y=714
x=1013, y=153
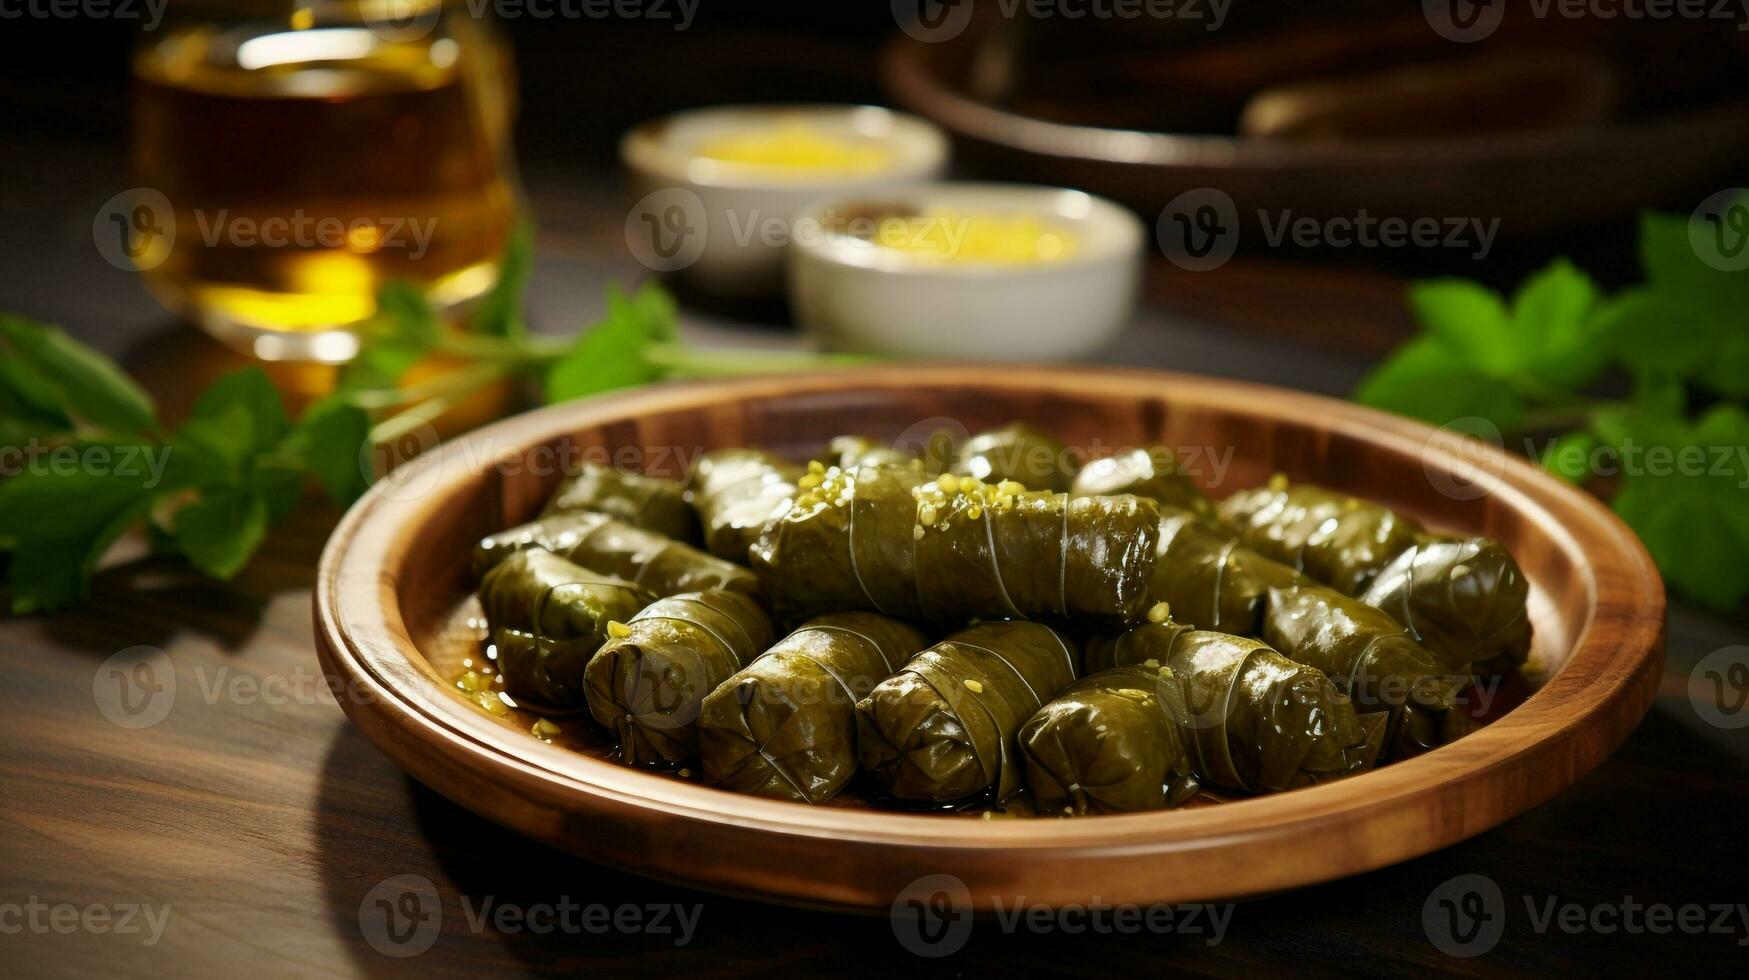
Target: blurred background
x=1525, y=137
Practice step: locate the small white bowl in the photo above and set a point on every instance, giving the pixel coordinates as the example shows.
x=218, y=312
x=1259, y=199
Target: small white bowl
x=852, y=294
x=723, y=226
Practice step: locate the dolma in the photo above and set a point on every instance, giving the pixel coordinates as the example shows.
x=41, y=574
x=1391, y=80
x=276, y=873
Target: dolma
x=943, y=728
x=646, y=559
x=736, y=491
x=1210, y=580
x=1153, y=473
x=564, y=608
x=1016, y=452
x=650, y=502
x=543, y=674
x=890, y=540
x=785, y=726
x=647, y=681
x=1368, y=655
x=1463, y=598
x=1111, y=743
x=850, y=452
x=1255, y=720
x=1339, y=540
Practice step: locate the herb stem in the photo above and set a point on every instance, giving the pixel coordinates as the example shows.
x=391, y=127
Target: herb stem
x=461, y=379
x=533, y=350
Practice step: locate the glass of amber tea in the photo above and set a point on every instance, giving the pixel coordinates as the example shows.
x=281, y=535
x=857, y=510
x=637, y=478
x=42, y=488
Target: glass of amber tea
x=309, y=151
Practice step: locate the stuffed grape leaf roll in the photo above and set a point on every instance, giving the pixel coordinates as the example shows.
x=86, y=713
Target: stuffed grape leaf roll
x=1111, y=743
x=650, y=502
x=1016, y=452
x=543, y=674
x=1464, y=599
x=785, y=726
x=1153, y=473
x=850, y=452
x=647, y=682
x=1255, y=720
x=1209, y=579
x=1339, y=540
x=736, y=491
x=890, y=540
x=1369, y=657
x=564, y=609
x=644, y=558
x=943, y=728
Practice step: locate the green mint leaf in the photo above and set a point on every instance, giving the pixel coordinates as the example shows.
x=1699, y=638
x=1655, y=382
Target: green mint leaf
x=1726, y=371
x=278, y=479
x=1725, y=433
x=1685, y=490
x=57, y=524
x=612, y=354
x=652, y=305
x=1426, y=379
x=1652, y=333
x=402, y=332
x=251, y=393
x=218, y=532
x=1679, y=524
x=1560, y=338
x=86, y=385
x=1673, y=266
x=1569, y=456
x=330, y=441
x=31, y=406
x=217, y=448
x=1471, y=320
x=500, y=311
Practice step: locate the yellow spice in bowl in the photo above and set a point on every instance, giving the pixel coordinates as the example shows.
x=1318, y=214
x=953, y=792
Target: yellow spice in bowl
x=794, y=147
x=943, y=235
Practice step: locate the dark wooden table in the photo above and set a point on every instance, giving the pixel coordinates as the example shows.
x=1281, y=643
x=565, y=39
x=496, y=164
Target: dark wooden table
x=253, y=822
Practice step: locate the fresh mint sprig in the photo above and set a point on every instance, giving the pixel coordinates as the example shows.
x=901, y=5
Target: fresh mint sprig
x=1677, y=447
x=209, y=489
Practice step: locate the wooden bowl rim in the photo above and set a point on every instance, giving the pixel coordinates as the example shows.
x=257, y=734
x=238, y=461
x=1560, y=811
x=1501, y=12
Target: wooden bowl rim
x=362, y=642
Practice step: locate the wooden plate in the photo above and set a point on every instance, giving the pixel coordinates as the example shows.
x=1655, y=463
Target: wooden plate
x=393, y=585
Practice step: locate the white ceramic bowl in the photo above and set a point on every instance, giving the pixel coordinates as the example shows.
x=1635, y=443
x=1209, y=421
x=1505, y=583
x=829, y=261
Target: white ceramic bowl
x=724, y=226
x=852, y=294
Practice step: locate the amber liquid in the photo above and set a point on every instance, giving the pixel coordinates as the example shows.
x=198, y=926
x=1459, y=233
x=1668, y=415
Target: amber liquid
x=306, y=171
